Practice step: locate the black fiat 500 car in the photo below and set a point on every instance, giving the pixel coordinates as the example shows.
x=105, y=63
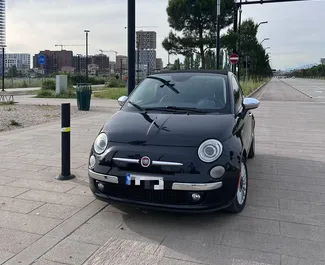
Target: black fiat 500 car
x=180, y=142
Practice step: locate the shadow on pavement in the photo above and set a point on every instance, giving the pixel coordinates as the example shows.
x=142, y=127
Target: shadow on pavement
x=195, y=236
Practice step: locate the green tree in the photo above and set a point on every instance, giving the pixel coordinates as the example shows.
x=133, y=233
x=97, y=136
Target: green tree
x=177, y=65
x=187, y=62
x=193, y=23
x=210, y=60
x=249, y=46
x=197, y=61
x=13, y=71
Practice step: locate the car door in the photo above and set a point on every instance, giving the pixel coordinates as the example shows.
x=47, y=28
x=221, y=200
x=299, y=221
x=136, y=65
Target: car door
x=245, y=121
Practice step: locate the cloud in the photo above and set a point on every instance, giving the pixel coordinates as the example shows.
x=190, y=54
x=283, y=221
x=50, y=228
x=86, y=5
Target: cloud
x=295, y=29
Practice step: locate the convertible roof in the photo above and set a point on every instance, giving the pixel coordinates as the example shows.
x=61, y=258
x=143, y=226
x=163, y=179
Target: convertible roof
x=222, y=72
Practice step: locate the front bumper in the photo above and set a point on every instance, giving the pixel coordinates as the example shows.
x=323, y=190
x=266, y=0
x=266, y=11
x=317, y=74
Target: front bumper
x=176, y=196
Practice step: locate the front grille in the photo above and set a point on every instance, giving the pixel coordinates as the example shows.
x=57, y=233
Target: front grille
x=138, y=193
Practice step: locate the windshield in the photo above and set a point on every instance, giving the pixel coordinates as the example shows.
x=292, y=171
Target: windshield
x=201, y=91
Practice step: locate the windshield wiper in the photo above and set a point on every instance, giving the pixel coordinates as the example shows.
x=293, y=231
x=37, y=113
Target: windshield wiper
x=173, y=108
x=165, y=83
x=136, y=105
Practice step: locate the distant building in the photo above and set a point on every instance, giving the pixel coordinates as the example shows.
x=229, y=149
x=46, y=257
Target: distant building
x=159, y=64
x=121, y=63
x=54, y=60
x=20, y=60
x=146, y=43
x=146, y=40
x=67, y=69
x=102, y=61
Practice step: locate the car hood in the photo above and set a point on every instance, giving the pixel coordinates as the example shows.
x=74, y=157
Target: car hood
x=167, y=129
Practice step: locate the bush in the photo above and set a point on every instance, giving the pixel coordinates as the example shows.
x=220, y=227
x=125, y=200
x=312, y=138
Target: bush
x=113, y=82
x=51, y=94
x=48, y=85
x=46, y=93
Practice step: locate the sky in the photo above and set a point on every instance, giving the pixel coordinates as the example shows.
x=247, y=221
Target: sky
x=295, y=29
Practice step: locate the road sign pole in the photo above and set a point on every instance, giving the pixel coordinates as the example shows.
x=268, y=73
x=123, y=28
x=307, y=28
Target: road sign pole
x=218, y=36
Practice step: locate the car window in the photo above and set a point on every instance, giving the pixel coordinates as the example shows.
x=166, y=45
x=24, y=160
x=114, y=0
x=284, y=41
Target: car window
x=190, y=90
x=238, y=94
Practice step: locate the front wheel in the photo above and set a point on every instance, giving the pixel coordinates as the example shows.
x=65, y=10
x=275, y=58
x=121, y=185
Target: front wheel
x=239, y=202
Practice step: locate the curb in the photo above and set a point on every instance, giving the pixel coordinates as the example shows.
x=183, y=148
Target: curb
x=257, y=89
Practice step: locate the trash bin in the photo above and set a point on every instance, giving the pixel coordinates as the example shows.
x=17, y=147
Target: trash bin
x=84, y=92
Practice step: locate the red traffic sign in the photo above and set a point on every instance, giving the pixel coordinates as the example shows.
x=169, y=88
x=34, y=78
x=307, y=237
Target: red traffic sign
x=234, y=58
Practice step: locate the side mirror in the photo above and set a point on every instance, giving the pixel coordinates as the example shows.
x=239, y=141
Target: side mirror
x=251, y=103
x=122, y=100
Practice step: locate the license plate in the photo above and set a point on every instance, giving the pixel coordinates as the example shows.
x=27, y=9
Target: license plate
x=156, y=183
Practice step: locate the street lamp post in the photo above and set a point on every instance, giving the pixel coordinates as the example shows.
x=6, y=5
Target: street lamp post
x=3, y=68
x=131, y=46
x=264, y=40
x=218, y=35
x=86, y=31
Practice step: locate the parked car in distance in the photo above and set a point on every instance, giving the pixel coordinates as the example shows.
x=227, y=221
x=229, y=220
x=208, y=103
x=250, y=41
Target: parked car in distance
x=179, y=142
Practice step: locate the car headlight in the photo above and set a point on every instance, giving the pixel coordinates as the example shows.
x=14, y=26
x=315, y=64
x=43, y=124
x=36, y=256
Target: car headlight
x=210, y=150
x=100, y=143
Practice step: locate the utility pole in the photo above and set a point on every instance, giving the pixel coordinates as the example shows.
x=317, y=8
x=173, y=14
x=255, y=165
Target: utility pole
x=87, y=31
x=218, y=35
x=3, y=68
x=131, y=45
x=239, y=47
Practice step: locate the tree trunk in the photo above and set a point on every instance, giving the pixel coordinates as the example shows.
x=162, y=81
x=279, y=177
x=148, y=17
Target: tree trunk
x=201, y=47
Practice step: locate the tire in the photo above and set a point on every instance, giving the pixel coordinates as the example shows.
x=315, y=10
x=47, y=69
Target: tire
x=251, y=153
x=239, y=202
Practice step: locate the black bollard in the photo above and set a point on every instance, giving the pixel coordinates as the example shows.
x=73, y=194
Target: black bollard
x=65, y=143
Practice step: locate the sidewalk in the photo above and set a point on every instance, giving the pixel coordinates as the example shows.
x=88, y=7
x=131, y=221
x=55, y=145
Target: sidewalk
x=48, y=222
x=95, y=103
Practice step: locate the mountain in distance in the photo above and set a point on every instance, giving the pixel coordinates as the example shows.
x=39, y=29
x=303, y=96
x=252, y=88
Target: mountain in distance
x=306, y=66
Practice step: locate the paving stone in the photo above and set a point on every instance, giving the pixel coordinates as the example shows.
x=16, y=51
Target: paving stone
x=100, y=227
x=31, y=253
x=13, y=241
x=71, y=252
x=11, y=192
x=56, y=211
x=42, y=185
x=170, y=261
x=71, y=224
x=202, y=253
x=43, y=261
x=27, y=167
x=302, y=231
x=40, y=175
x=27, y=222
x=5, y=255
x=287, y=260
x=119, y=251
x=4, y=180
x=81, y=190
x=57, y=198
x=275, y=244
x=18, y=205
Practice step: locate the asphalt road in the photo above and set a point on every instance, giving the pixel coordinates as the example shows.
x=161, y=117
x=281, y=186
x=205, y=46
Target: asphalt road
x=283, y=222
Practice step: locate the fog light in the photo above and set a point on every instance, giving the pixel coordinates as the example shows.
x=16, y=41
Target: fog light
x=196, y=196
x=100, y=186
x=217, y=172
x=92, y=162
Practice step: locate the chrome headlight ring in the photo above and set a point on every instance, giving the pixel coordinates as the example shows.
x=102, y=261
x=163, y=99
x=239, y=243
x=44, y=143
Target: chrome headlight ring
x=210, y=150
x=100, y=143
